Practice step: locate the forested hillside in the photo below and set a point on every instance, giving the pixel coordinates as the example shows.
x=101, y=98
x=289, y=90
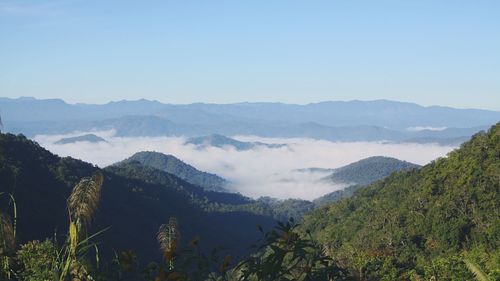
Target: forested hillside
x=439, y=222
x=135, y=201
x=177, y=167
x=368, y=170
x=361, y=173
x=421, y=223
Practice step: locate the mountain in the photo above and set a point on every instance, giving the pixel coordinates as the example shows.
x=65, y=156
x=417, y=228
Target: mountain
x=357, y=174
x=381, y=113
x=368, y=170
x=177, y=167
x=421, y=222
x=221, y=141
x=135, y=201
x=83, y=138
x=378, y=120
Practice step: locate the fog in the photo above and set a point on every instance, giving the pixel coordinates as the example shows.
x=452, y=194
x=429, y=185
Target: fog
x=261, y=171
x=421, y=128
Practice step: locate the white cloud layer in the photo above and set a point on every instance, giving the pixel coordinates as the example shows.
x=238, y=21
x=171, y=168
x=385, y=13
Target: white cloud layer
x=258, y=172
x=424, y=128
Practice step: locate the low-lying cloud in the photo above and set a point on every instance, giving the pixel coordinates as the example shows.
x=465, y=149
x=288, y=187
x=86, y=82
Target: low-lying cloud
x=425, y=128
x=261, y=171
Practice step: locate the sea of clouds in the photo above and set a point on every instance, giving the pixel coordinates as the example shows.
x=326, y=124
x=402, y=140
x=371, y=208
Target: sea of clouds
x=261, y=171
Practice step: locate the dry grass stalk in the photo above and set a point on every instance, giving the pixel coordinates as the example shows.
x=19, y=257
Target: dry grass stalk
x=83, y=201
x=168, y=238
x=7, y=236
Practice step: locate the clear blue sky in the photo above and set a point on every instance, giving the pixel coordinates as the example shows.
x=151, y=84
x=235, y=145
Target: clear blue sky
x=443, y=52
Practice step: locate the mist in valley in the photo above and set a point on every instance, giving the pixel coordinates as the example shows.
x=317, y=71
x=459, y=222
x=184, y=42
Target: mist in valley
x=260, y=171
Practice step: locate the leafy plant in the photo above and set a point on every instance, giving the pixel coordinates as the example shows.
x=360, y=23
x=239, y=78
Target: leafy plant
x=476, y=270
x=37, y=261
x=42, y=260
x=286, y=255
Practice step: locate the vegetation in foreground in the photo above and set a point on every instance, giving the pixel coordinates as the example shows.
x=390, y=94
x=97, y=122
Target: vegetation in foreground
x=437, y=223
x=431, y=223
x=282, y=254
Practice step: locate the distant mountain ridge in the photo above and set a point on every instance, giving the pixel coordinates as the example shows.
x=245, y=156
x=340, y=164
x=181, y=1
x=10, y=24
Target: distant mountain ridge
x=220, y=141
x=87, y=138
x=377, y=120
x=175, y=166
x=368, y=170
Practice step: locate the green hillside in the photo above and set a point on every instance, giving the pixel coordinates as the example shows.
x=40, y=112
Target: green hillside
x=135, y=201
x=439, y=222
x=361, y=173
x=177, y=167
x=368, y=170
x=421, y=223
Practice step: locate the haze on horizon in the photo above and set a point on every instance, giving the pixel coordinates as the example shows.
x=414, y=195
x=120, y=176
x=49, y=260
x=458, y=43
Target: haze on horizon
x=69, y=101
x=427, y=52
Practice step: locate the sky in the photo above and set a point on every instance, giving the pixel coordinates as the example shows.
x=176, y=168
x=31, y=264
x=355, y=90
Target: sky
x=430, y=52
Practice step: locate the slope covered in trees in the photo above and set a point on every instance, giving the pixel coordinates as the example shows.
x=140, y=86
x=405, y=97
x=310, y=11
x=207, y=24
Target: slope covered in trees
x=361, y=173
x=368, y=170
x=135, y=201
x=177, y=167
x=421, y=223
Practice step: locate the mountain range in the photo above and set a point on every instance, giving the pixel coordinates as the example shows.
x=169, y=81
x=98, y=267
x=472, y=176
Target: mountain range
x=379, y=120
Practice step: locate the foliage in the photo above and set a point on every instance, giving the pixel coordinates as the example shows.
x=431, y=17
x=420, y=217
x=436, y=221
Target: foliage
x=420, y=221
x=286, y=255
x=474, y=268
x=82, y=204
x=7, y=245
x=43, y=261
x=172, y=165
x=369, y=170
x=8, y=231
x=429, y=224
x=135, y=200
x=36, y=261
